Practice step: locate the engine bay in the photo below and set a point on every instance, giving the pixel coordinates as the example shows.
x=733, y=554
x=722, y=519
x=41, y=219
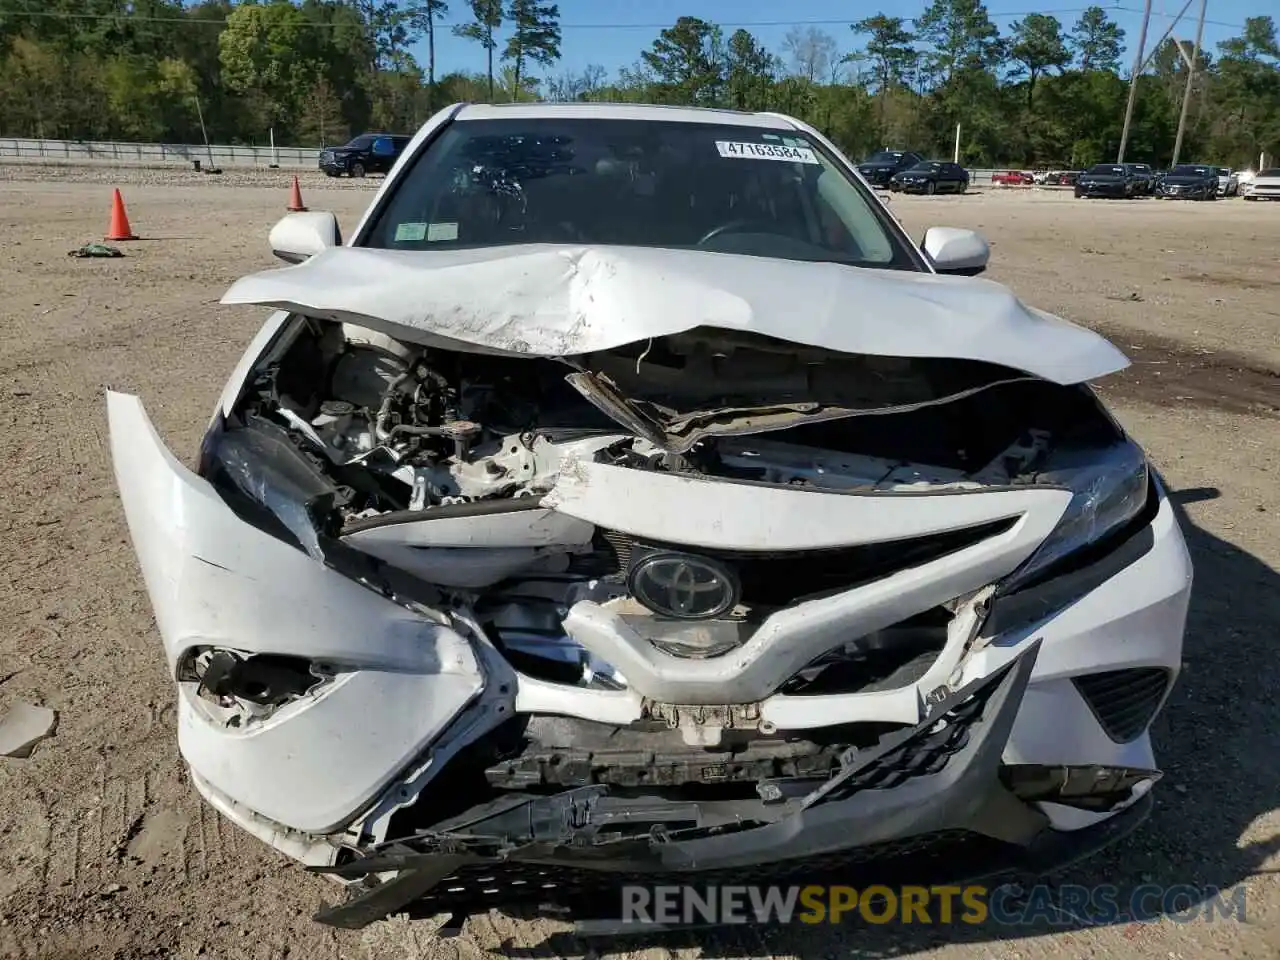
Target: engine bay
x=345, y=438
x=388, y=427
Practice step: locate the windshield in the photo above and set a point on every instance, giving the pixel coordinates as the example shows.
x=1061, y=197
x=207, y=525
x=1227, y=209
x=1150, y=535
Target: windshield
x=1224, y=171
x=729, y=189
x=1188, y=170
x=926, y=168
x=363, y=142
x=885, y=156
x=1269, y=172
x=1106, y=170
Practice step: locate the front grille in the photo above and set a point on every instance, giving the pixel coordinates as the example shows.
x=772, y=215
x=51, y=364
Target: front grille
x=1124, y=701
x=925, y=859
x=779, y=579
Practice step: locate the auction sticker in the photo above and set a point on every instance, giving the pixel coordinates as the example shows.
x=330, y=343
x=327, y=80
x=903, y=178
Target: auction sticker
x=410, y=232
x=766, y=151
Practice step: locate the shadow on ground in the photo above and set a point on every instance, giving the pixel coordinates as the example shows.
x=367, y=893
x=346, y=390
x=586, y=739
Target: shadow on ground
x=1210, y=737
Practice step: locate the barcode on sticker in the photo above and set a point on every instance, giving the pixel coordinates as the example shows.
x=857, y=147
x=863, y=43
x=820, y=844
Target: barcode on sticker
x=766, y=151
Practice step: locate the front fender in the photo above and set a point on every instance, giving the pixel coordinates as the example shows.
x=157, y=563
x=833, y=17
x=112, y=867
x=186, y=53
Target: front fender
x=216, y=580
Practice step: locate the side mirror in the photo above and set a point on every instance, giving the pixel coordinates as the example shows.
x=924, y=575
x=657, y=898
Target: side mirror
x=299, y=236
x=956, y=251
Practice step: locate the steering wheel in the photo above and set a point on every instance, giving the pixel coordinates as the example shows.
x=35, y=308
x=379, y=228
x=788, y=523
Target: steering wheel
x=726, y=228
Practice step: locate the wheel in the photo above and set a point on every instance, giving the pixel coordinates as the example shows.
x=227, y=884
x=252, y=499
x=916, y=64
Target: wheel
x=1079, y=193
x=357, y=169
x=330, y=173
x=930, y=188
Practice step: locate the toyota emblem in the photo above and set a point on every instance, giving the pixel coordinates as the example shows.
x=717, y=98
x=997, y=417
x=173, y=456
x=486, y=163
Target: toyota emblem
x=683, y=586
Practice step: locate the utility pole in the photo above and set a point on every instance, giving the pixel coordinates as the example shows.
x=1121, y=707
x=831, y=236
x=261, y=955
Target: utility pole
x=1138, y=61
x=1191, y=76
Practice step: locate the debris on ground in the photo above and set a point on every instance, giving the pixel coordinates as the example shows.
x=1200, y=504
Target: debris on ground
x=23, y=726
x=96, y=250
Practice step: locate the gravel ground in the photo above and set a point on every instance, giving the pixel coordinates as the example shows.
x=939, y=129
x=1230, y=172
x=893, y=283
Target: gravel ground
x=107, y=852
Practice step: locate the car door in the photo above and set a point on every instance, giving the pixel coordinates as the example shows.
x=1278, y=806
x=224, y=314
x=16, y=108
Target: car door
x=382, y=154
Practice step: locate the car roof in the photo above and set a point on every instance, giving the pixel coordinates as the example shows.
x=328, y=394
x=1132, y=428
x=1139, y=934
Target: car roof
x=622, y=111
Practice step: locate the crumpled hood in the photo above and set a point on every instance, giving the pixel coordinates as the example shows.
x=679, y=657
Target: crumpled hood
x=553, y=300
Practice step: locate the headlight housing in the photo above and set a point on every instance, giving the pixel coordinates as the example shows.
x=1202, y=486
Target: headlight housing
x=1109, y=488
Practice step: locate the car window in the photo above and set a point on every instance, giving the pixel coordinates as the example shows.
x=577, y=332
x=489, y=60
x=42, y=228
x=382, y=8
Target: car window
x=1191, y=170
x=1270, y=172
x=1224, y=171
x=1106, y=169
x=731, y=189
x=363, y=142
x=885, y=156
x=927, y=168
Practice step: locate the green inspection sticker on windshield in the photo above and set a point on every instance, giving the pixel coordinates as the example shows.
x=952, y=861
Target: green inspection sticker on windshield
x=765, y=151
x=410, y=232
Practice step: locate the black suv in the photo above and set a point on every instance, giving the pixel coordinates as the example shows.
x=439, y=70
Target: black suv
x=879, y=168
x=367, y=153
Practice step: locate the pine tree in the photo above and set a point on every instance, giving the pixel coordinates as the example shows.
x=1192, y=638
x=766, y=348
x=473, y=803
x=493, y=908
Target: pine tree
x=536, y=37
x=487, y=18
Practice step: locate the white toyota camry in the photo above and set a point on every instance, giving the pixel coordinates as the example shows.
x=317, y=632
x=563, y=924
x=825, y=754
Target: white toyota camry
x=629, y=496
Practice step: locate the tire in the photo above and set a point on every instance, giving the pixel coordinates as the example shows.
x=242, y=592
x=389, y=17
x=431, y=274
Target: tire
x=356, y=169
x=1079, y=193
x=930, y=188
x=330, y=173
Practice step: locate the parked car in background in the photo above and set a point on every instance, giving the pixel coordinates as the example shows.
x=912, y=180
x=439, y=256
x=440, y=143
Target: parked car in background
x=1064, y=178
x=367, y=153
x=1012, y=178
x=1107, y=180
x=1263, y=185
x=879, y=168
x=1144, y=178
x=1190, y=181
x=1228, y=182
x=931, y=176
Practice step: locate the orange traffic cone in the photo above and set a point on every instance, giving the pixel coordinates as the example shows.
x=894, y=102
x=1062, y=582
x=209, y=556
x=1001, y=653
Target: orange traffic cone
x=295, y=198
x=119, y=228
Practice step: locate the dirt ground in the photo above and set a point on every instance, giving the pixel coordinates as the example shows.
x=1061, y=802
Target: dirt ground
x=105, y=849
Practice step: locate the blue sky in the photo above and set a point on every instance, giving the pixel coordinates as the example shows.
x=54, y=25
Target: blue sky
x=613, y=32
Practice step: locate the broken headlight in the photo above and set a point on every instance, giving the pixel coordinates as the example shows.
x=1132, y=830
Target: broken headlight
x=1109, y=488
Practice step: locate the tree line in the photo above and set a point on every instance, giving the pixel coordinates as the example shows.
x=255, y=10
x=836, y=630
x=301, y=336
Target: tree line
x=1041, y=92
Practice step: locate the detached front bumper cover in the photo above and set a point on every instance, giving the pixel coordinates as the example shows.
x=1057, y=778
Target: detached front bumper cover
x=941, y=778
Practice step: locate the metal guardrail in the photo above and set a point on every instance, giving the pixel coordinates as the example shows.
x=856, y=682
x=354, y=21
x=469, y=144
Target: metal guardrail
x=161, y=154
x=217, y=155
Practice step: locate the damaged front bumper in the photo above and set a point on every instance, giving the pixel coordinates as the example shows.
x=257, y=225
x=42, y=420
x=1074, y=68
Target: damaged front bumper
x=932, y=803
